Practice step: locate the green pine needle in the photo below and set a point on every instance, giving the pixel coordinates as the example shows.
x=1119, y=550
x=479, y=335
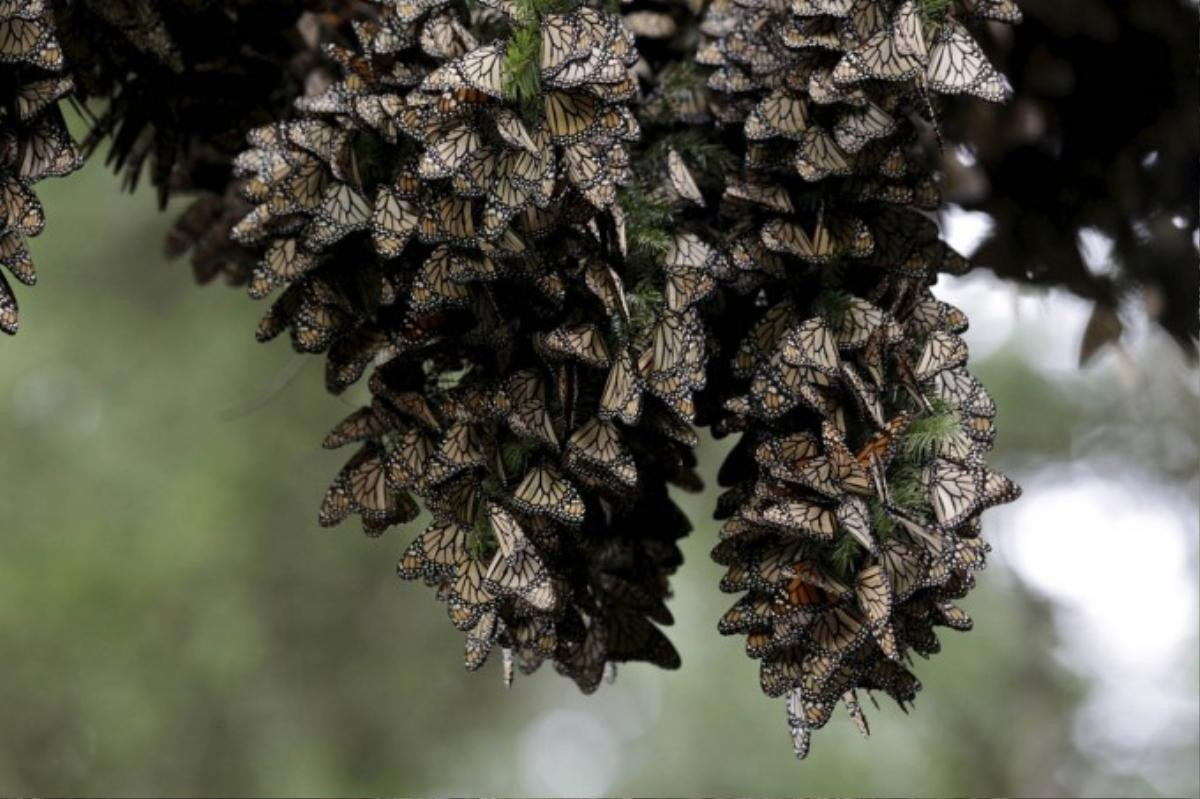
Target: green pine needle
x=934, y=10
x=707, y=156
x=927, y=432
x=644, y=301
x=481, y=541
x=647, y=221
x=844, y=557
x=834, y=304
x=522, y=68
x=514, y=455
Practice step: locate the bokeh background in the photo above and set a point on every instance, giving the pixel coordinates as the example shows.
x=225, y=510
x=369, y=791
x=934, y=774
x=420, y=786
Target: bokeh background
x=174, y=621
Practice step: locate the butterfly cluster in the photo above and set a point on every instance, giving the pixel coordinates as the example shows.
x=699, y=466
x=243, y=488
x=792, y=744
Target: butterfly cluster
x=854, y=492
x=536, y=407
x=556, y=238
x=33, y=139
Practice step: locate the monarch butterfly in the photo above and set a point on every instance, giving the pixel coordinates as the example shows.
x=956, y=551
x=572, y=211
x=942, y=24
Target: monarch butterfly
x=543, y=492
x=570, y=117
x=603, y=281
x=560, y=42
x=819, y=156
x=435, y=554
x=905, y=567
x=342, y=211
x=952, y=616
x=866, y=397
x=481, y=69
x=854, y=324
x=371, y=421
x=443, y=36
x=621, y=397
x=673, y=363
x=469, y=598
x=456, y=500
x=917, y=632
x=480, y=639
x=751, y=612
x=449, y=219
x=958, y=492
x=929, y=314
x=781, y=454
x=964, y=391
x=998, y=10
x=780, y=672
x=811, y=345
x=858, y=127
x=880, y=57
x=855, y=519
x=791, y=238
x=598, y=444
x=681, y=179
x=604, y=73
x=629, y=636
x=781, y=113
x=284, y=261
x=892, y=678
x=957, y=65
x=477, y=173
x=816, y=34
x=909, y=32
x=730, y=80
x=650, y=24
x=737, y=578
x=776, y=564
x=316, y=320
x=522, y=574
x=630, y=592
x=753, y=190
x=823, y=91
x=583, y=342
x=690, y=265
x=513, y=131
x=942, y=351
x=536, y=638
x=26, y=9
x=526, y=412
x=449, y=150
x=595, y=167
x=14, y=256
x=9, y=317
x=836, y=631
x=394, y=220
x=814, y=8
x=30, y=41
x=778, y=387
x=330, y=143
x=432, y=287
x=370, y=493
x=874, y=592
x=763, y=338
x=801, y=518
x=23, y=211
x=36, y=96
x=464, y=446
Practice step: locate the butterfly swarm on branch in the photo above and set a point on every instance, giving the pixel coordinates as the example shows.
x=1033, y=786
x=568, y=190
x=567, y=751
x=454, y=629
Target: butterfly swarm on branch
x=555, y=238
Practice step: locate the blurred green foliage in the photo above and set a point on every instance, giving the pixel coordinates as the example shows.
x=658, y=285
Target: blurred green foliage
x=173, y=620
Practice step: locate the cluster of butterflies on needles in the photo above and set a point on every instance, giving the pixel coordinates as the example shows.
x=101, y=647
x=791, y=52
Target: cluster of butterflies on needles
x=561, y=237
